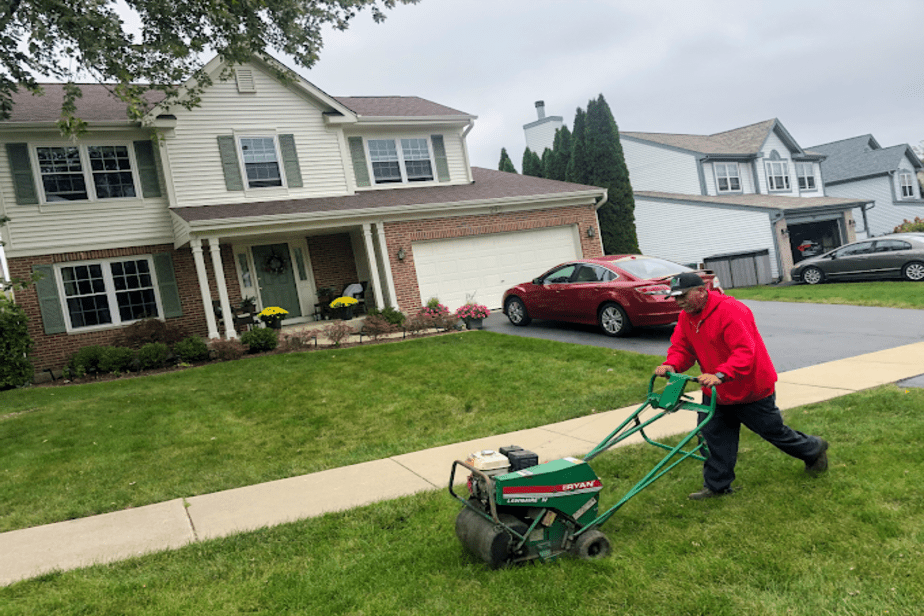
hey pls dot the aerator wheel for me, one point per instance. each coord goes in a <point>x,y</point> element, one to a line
<point>592,545</point>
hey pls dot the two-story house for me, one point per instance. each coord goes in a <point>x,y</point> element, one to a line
<point>860,167</point>
<point>269,190</point>
<point>749,189</point>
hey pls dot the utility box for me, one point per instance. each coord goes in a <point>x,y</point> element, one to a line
<point>741,269</point>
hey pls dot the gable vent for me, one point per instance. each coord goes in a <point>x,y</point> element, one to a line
<point>245,81</point>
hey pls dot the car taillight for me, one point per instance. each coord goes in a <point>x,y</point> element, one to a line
<point>655,290</point>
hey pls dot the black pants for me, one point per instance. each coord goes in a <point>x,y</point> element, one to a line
<point>761,417</point>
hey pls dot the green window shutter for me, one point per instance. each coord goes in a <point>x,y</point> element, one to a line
<point>147,168</point>
<point>358,154</point>
<point>290,161</point>
<point>439,154</point>
<point>21,167</point>
<point>227,148</point>
<point>166,283</point>
<point>49,302</point>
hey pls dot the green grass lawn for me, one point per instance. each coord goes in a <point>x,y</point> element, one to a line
<point>898,294</point>
<point>846,543</point>
<point>68,452</point>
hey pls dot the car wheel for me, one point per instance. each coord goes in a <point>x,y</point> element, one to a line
<point>614,321</point>
<point>813,275</point>
<point>913,271</point>
<point>516,312</point>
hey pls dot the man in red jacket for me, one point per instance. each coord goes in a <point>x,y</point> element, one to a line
<point>719,332</point>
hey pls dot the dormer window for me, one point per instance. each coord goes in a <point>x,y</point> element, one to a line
<point>727,178</point>
<point>906,179</point>
<point>806,174</point>
<point>408,163</point>
<point>778,175</point>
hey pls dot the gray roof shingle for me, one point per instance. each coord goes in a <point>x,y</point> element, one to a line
<point>744,140</point>
<point>488,184</point>
<point>859,157</point>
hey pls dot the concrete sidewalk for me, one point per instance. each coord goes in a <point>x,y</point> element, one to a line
<point>123,534</point>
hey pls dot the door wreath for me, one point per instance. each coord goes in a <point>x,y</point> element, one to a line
<point>274,264</point>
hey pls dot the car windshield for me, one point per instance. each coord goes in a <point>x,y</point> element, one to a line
<point>651,267</point>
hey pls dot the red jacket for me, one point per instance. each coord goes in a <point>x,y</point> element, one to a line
<point>724,338</point>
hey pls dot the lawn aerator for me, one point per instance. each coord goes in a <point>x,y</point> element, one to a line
<point>519,510</point>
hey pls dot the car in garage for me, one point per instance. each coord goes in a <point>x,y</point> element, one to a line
<point>618,293</point>
<point>899,255</point>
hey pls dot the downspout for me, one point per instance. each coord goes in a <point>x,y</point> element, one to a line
<point>468,165</point>
<point>776,244</point>
<point>597,206</point>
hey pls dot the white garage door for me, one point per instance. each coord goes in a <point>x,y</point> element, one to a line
<point>482,267</point>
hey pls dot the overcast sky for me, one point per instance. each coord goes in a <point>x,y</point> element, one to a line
<point>828,69</point>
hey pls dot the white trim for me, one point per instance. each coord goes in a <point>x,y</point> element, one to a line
<point>902,184</point>
<point>109,290</point>
<point>784,175</point>
<point>728,177</point>
<point>267,134</point>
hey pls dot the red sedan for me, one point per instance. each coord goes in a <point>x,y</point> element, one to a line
<point>616,292</point>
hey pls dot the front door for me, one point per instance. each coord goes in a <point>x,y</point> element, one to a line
<point>276,278</point>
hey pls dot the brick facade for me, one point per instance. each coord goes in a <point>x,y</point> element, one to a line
<point>404,234</point>
<point>332,261</point>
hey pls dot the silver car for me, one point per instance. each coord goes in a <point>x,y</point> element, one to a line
<point>900,255</point>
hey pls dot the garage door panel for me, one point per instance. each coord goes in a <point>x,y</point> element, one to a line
<point>485,266</point>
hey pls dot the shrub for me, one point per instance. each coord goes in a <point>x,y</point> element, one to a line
<point>260,339</point>
<point>116,360</point>
<point>226,350</point>
<point>85,361</point>
<point>15,345</point>
<point>377,325</point>
<point>910,225</point>
<point>337,332</point>
<point>153,355</point>
<point>191,348</point>
<point>146,331</point>
<point>297,341</point>
<point>395,317</point>
<point>421,321</point>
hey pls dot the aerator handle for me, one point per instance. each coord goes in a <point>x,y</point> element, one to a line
<point>672,396</point>
<point>488,481</point>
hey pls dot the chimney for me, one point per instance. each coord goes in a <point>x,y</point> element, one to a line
<point>540,109</point>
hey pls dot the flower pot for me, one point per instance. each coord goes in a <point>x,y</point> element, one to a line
<point>344,312</point>
<point>274,323</point>
<point>473,323</point>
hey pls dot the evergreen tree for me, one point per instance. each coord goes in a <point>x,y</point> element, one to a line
<point>577,170</point>
<point>546,161</point>
<point>605,167</point>
<point>561,154</point>
<point>532,164</point>
<point>505,163</point>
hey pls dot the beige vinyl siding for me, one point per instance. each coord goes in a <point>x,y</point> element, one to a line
<point>885,215</point>
<point>81,225</point>
<point>688,233</point>
<point>660,169</point>
<point>272,110</point>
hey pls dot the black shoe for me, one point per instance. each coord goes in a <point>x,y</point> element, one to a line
<point>707,493</point>
<point>820,463</point>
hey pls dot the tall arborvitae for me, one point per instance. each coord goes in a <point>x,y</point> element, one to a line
<point>546,161</point>
<point>561,153</point>
<point>577,167</point>
<point>532,165</point>
<point>505,163</point>
<point>605,167</point>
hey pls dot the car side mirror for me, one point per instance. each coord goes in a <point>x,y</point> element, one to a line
<point>537,280</point>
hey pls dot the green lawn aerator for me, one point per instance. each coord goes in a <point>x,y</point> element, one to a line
<point>519,510</point>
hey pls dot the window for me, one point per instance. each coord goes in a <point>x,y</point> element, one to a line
<point>906,180</point>
<point>409,163</point>
<point>83,173</point>
<point>261,163</point>
<point>111,292</point>
<point>853,250</point>
<point>806,174</point>
<point>726,177</point>
<point>562,275</point>
<point>778,175</point>
<point>891,245</point>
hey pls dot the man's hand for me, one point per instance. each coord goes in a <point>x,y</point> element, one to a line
<point>663,369</point>
<point>709,380</point>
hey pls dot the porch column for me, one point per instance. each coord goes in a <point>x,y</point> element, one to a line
<point>373,265</point>
<point>389,279</point>
<point>196,245</point>
<point>222,288</point>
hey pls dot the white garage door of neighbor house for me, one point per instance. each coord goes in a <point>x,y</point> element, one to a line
<point>482,267</point>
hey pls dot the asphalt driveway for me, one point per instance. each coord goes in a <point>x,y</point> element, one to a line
<point>797,335</point>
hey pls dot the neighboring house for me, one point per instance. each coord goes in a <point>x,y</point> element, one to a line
<point>745,190</point>
<point>541,133</point>
<point>860,167</point>
<point>268,190</point>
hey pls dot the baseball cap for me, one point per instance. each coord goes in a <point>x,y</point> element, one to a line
<point>681,283</point>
